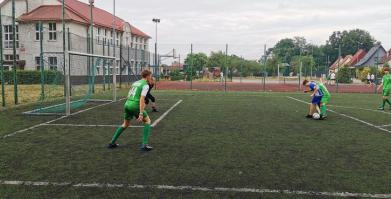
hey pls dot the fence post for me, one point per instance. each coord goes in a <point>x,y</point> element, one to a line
<point>226,68</point>
<point>41,65</point>
<point>1,62</point>
<point>14,53</point>
<point>191,67</point>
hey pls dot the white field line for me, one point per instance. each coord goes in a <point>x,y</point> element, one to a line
<point>166,113</point>
<point>364,109</point>
<point>195,188</point>
<point>347,116</point>
<point>386,125</point>
<point>89,125</point>
<point>57,119</point>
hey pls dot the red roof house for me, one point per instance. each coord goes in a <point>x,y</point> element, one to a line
<point>78,12</point>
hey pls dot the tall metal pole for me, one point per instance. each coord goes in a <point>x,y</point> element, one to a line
<point>300,66</point>
<point>1,63</point>
<point>92,44</point>
<point>226,67</point>
<point>241,68</point>
<point>114,55</point>
<point>156,21</point>
<point>67,74</point>
<point>191,67</point>
<point>339,57</point>
<point>14,53</point>
<point>264,68</point>
<point>41,65</point>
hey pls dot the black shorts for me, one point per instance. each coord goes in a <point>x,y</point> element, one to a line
<point>149,97</point>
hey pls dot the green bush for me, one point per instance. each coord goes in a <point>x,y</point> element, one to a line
<point>344,75</point>
<point>176,75</point>
<point>33,77</point>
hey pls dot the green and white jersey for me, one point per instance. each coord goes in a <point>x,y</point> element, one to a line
<point>387,82</point>
<point>139,88</point>
<point>324,90</point>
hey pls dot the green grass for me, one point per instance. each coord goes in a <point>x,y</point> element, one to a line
<point>212,139</point>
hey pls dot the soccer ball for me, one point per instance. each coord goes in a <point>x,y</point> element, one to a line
<point>316,116</point>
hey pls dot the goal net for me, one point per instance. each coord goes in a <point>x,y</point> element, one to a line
<point>84,80</point>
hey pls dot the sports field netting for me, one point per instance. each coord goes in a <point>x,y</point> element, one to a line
<point>90,81</point>
<point>212,144</point>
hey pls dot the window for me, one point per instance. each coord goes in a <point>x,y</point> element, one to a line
<point>38,63</point>
<point>53,63</point>
<point>105,37</point>
<point>111,37</point>
<point>10,57</point>
<point>8,36</point>
<point>37,37</point>
<point>52,31</point>
<point>98,35</point>
<point>117,38</point>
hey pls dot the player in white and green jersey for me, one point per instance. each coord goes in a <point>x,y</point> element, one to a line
<point>325,99</point>
<point>386,84</point>
<point>135,108</point>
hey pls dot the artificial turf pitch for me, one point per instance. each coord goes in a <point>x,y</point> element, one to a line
<point>212,139</point>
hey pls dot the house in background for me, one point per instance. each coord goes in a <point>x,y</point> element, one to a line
<point>132,43</point>
<point>373,57</point>
<point>387,59</point>
<point>357,57</point>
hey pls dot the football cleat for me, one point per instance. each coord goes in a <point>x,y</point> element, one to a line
<point>146,147</point>
<point>112,146</point>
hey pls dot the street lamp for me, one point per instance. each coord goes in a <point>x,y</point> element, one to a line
<point>156,21</point>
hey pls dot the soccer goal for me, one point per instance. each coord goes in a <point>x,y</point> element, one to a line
<point>74,81</point>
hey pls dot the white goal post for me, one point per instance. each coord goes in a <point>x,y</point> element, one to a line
<point>68,76</point>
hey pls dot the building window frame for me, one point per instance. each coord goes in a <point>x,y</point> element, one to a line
<point>53,31</point>
<point>8,36</point>
<point>53,63</point>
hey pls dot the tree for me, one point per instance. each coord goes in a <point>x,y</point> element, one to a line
<point>350,41</point>
<point>198,61</point>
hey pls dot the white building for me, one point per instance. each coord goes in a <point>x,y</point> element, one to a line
<point>132,44</point>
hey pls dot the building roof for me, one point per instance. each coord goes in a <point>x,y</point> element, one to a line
<point>357,57</point>
<point>337,63</point>
<point>370,54</point>
<point>79,12</point>
<point>386,58</point>
<point>50,13</point>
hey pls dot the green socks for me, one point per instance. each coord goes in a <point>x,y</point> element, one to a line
<point>147,130</point>
<point>117,133</point>
<point>388,101</point>
<point>323,110</point>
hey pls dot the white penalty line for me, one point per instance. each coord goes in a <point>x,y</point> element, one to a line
<point>347,116</point>
<point>57,119</point>
<point>165,113</point>
<point>89,125</point>
<point>193,188</point>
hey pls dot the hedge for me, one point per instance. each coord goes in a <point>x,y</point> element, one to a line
<point>33,77</point>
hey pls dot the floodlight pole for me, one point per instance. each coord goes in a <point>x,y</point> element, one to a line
<point>114,55</point>
<point>156,21</point>
<point>14,53</point>
<point>91,43</point>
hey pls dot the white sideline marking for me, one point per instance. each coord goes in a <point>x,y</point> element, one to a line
<point>364,109</point>
<point>386,125</point>
<point>166,113</point>
<point>57,119</point>
<point>195,188</point>
<point>348,116</point>
<point>90,125</point>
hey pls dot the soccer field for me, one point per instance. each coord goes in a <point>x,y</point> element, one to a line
<point>207,145</point>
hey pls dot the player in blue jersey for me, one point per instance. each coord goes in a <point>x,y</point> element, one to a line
<point>316,95</point>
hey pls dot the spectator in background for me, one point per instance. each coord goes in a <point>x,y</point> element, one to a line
<point>372,79</point>
<point>332,77</point>
<point>369,78</point>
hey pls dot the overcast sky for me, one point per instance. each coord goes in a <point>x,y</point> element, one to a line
<point>246,25</point>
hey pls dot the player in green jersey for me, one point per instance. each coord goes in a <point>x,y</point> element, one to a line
<point>135,108</point>
<point>386,84</point>
<point>325,99</point>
